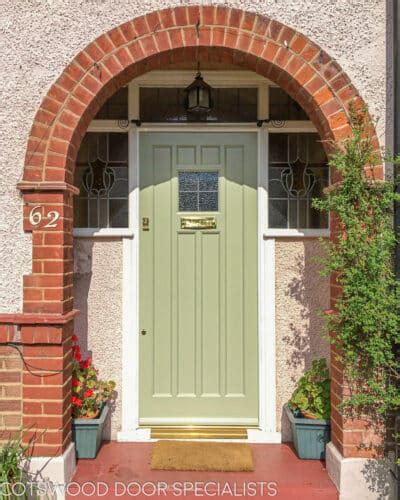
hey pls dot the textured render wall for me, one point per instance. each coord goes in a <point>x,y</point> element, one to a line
<point>98,295</point>
<point>39,38</point>
<point>300,294</point>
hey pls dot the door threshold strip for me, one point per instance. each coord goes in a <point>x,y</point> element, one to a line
<point>198,432</point>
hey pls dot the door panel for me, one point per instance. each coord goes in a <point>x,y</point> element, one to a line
<point>198,287</point>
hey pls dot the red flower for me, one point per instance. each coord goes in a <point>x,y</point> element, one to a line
<point>88,394</point>
<point>75,382</point>
<point>77,352</point>
<point>76,401</point>
<point>86,363</point>
<point>74,338</point>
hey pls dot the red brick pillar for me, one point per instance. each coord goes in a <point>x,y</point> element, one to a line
<point>46,325</point>
<point>354,438</point>
<point>48,215</point>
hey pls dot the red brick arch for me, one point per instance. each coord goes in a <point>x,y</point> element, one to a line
<point>256,42</point>
<point>213,33</point>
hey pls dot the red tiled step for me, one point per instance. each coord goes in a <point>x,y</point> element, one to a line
<point>125,463</point>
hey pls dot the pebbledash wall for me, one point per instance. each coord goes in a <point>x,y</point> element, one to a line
<point>38,40</point>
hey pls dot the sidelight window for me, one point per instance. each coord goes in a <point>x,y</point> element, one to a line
<point>102,178</point>
<point>297,173</point>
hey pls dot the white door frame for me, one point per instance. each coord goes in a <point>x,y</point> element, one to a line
<point>266,431</point>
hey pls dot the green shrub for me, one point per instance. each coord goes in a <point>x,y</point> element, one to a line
<point>312,395</point>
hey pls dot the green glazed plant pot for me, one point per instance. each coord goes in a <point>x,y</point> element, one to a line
<point>86,433</point>
<point>310,436</point>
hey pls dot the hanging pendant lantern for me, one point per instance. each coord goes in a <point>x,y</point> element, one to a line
<point>198,96</point>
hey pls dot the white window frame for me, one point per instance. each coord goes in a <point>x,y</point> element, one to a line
<point>106,232</point>
<point>174,78</point>
<point>293,127</point>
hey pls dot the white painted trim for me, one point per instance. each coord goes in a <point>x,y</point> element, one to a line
<point>253,436</point>
<point>204,127</point>
<point>266,301</point>
<point>292,126</point>
<point>296,233</point>
<point>263,101</point>
<point>133,100</point>
<point>130,338</point>
<point>216,78</point>
<point>259,436</point>
<point>106,232</point>
<point>120,126</point>
<point>134,435</point>
<point>269,365</point>
<point>130,298</point>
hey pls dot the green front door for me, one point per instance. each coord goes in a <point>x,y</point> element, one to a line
<point>198,278</point>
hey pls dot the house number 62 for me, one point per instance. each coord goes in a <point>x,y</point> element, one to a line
<point>35,217</point>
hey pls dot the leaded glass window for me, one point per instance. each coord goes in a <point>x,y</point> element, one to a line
<point>102,177</point>
<point>297,173</point>
<point>198,191</point>
<point>283,107</point>
<point>116,107</point>
<point>168,105</point>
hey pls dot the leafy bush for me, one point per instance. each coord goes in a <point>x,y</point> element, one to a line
<point>364,326</point>
<point>88,392</point>
<point>312,396</point>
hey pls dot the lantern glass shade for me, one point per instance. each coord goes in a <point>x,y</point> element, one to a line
<point>198,95</point>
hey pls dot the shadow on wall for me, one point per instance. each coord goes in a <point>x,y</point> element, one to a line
<point>379,476</point>
<point>304,294</point>
<point>83,259</point>
<point>303,288</point>
<point>83,256</point>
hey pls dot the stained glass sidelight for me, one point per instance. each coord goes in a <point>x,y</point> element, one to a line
<point>297,173</point>
<point>102,177</point>
<point>198,191</point>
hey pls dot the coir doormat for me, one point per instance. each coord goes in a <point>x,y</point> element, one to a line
<point>206,456</point>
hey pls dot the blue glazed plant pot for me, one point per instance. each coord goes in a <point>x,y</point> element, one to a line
<point>86,433</point>
<point>310,436</point>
